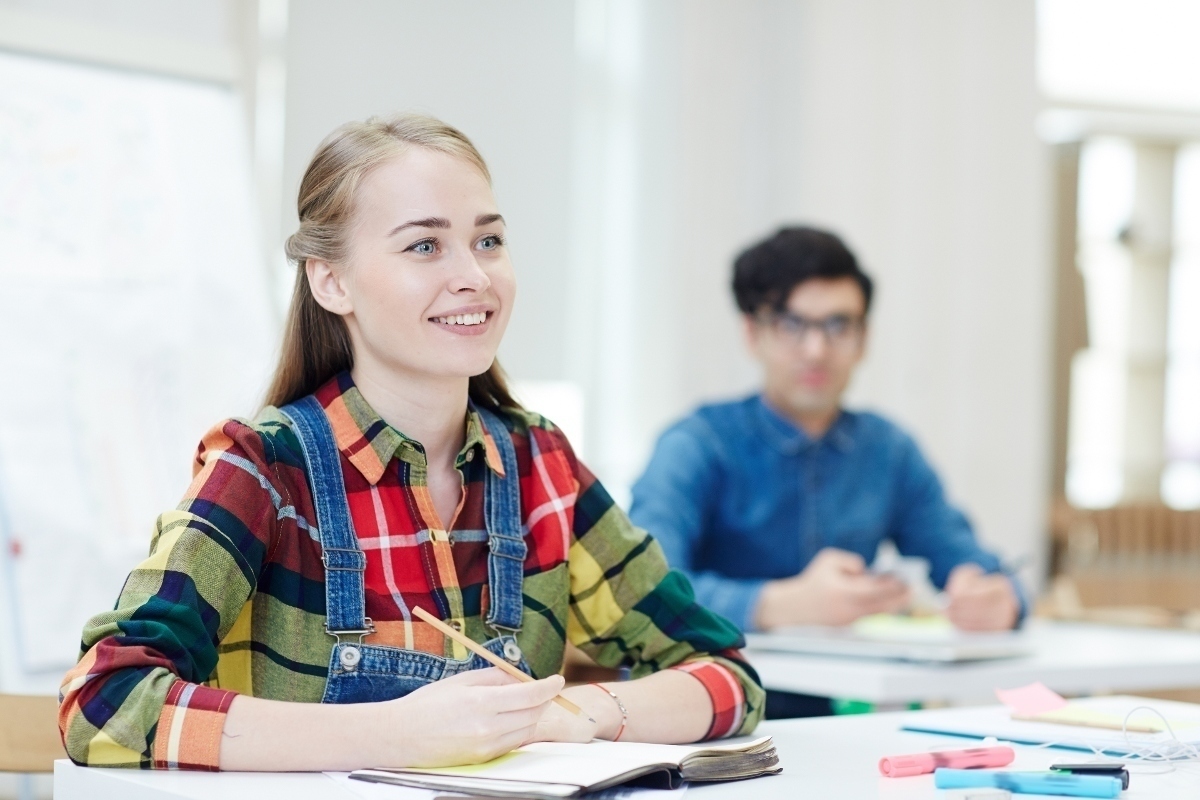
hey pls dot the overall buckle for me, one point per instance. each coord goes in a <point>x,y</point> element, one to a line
<point>350,653</point>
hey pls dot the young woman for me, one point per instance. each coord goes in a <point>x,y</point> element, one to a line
<point>272,626</point>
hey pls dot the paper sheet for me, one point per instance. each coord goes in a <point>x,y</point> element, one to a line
<point>1031,700</point>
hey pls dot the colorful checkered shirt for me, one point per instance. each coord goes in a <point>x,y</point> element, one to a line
<point>232,599</point>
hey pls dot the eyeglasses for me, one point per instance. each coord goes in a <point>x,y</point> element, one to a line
<point>839,330</point>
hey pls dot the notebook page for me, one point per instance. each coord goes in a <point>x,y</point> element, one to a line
<point>579,765</point>
<point>528,764</point>
<point>648,753</point>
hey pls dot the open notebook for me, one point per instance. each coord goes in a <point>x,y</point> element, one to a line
<point>554,769</point>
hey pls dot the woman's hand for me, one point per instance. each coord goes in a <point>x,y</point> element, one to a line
<point>467,719</point>
<point>560,725</point>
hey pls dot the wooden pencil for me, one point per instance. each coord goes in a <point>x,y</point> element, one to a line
<point>489,656</point>
<point>1111,725</point>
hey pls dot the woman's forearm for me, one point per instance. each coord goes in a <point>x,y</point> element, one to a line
<point>668,707</point>
<point>275,736</point>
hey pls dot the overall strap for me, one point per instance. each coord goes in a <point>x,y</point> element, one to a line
<point>344,560</point>
<point>506,540</point>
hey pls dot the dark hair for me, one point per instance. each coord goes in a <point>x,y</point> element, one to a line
<point>766,273</point>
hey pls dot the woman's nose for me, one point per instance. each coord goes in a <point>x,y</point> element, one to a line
<point>468,275</point>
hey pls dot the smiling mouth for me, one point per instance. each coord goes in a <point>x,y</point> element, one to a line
<point>465,320</point>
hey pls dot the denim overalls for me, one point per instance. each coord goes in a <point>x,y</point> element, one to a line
<point>362,673</point>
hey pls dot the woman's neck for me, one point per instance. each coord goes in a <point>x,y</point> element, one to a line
<point>430,410</point>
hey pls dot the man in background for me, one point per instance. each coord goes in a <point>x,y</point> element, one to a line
<point>775,505</point>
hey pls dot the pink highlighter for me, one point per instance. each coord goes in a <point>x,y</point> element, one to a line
<point>922,763</point>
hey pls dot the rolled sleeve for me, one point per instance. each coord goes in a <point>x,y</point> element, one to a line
<point>190,727</point>
<point>135,698</point>
<point>724,691</point>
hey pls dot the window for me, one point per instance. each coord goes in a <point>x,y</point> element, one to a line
<point>1128,123</point>
<point>135,314</point>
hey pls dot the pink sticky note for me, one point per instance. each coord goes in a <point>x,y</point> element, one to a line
<point>1031,700</point>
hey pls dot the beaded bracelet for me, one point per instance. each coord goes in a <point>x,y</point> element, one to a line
<point>620,705</point>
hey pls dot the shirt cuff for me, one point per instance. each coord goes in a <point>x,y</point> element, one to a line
<point>189,729</point>
<point>725,692</point>
<point>1022,600</point>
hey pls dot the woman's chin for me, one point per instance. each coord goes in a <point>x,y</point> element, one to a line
<point>464,369</point>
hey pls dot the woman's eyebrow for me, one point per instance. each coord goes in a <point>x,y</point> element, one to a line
<point>428,222</point>
<point>487,219</point>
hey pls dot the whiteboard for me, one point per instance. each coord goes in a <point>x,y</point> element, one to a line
<point>134,314</point>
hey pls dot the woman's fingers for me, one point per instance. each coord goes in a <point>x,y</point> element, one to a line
<point>523,717</point>
<point>490,676</point>
<point>524,695</point>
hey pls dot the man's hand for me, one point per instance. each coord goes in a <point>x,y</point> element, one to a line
<point>834,589</point>
<point>979,601</point>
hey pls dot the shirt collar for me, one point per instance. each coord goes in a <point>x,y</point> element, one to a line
<point>789,439</point>
<point>369,443</point>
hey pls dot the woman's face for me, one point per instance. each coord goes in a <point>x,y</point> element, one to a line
<point>428,286</point>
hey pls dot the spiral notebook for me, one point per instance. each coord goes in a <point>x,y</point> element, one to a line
<point>548,770</point>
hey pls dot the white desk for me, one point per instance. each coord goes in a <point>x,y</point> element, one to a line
<point>1072,659</point>
<point>829,757</point>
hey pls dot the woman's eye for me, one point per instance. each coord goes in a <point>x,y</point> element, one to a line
<point>490,242</point>
<point>425,248</point>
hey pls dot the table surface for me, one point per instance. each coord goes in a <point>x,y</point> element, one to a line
<point>1070,658</point>
<point>826,757</point>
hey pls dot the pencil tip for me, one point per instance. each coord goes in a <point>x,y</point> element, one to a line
<point>591,720</point>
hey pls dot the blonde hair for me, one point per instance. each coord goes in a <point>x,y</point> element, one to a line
<point>316,343</point>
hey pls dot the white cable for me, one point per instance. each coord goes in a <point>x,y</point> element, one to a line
<point>1170,753</point>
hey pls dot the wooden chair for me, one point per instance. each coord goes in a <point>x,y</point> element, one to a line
<point>29,739</point>
<point>1136,555</point>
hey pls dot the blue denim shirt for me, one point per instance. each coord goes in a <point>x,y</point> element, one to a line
<point>737,495</point>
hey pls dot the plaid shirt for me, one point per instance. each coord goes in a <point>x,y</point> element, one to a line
<point>232,599</point>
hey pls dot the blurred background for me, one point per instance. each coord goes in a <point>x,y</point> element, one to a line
<point>1022,178</point>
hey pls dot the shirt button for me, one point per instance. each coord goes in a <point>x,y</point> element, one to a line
<point>349,657</point>
<point>512,651</point>
<point>456,625</point>
<point>470,455</point>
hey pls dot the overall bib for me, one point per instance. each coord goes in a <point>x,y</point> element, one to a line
<point>363,673</point>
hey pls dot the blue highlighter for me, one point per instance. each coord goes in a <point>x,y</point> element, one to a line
<point>1056,783</point>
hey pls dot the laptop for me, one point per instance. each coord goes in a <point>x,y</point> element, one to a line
<point>895,638</point>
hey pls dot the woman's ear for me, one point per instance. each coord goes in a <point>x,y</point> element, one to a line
<point>328,286</point>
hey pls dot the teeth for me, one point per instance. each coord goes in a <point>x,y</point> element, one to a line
<point>464,319</point>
